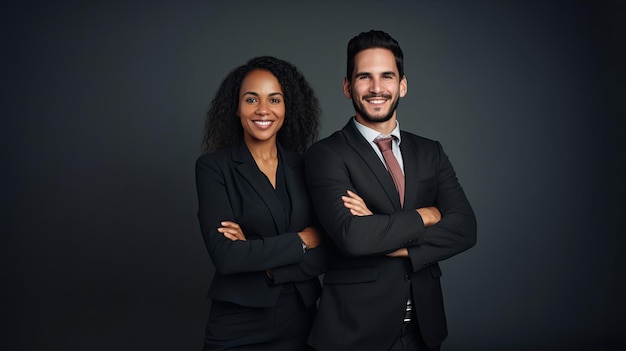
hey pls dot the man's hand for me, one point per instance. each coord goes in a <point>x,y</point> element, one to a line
<point>401,252</point>
<point>231,230</point>
<point>355,204</point>
<point>430,215</point>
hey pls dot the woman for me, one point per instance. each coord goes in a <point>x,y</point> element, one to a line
<point>255,213</point>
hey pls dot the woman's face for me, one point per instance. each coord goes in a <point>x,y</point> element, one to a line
<point>261,106</point>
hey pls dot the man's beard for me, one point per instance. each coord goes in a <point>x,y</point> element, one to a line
<point>373,119</point>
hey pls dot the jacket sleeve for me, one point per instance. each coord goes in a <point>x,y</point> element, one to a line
<point>228,257</point>
<point>456,231</point>
<point>329,177</point>
<point>330,173</point>
<point>314,262</point>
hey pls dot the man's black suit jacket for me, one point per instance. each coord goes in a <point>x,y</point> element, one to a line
<point>365,292</point>
<point>232,188</point>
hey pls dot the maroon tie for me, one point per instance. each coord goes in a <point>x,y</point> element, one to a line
<point>384,144</point>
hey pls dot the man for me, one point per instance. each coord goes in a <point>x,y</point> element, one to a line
<point>391,219</point>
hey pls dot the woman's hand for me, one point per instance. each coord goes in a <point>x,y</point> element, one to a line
<point>311,237</point>
<point>231,230</point>
<point>355,204</point>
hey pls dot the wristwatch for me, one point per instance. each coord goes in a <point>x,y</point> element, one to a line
<point>303,246</point>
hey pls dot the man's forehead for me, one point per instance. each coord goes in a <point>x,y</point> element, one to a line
<point>375,61</point>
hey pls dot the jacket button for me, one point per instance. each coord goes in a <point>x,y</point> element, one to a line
<point>407,277</point>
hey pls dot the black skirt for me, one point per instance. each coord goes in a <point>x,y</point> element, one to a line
<point>284,327</point>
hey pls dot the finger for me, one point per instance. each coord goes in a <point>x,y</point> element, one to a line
<point>230,224</point>
<point>347,201</point>
<point>353,206</point>
<point>348,204</point>
<point>231,237</point>
<point>228,230</point>
<point>236,233</point>
<point>358,213</point>
<point>356,202</point>
<point>354,195</point>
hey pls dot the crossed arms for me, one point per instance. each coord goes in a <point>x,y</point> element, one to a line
<point>442,225</point>
<point>356,205</point>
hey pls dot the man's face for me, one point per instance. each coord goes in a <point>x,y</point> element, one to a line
<point>375,86</point>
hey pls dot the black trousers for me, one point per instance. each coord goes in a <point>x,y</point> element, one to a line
<point>281,328</point>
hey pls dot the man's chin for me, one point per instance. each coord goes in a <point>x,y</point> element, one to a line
<point>377,118</point>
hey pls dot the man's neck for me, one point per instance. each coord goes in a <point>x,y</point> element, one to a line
<point>385,127</point>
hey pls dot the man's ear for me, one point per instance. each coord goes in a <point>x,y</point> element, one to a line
<point>404,87</point>
<point>346,88</point>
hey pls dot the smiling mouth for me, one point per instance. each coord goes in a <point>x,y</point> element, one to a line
<point>263,124</point>
<point>376,100</point>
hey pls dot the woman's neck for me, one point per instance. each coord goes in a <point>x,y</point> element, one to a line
<point>265,151</point>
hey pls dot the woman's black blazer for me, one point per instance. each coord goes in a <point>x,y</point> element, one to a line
<point>231,187</point>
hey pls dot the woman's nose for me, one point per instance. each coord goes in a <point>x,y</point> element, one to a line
<point>262,108</point>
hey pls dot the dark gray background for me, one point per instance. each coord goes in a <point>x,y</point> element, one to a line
<point>102,122</point>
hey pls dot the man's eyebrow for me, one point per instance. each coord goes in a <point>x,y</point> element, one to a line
<point>362,74</point>
<point>389,73</point>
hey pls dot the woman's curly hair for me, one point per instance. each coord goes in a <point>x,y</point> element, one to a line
<point>300,127</point>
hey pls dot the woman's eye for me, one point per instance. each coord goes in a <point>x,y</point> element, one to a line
<point>275,101</point>
<point>251,100</point>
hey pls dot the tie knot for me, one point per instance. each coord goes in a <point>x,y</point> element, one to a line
<point>384,144</point>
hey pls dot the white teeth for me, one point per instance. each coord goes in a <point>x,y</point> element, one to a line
<point>263,123</point>
<point>377,101</point>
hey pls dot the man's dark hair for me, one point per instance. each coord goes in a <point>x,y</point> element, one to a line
<point>370,40</point>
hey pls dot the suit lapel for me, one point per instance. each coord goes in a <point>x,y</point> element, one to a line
<point>361,146</point>
<point>296,186</point>
<point>257,181</point>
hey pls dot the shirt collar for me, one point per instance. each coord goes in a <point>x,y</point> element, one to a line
<point>371,134</point>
